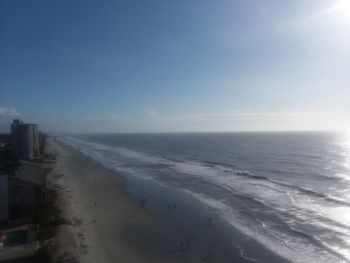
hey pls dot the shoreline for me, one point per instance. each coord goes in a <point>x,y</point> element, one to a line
<point>112,225</point>
<point>81,182</point>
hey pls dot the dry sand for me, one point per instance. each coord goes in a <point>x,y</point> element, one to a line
<point>94,199</point>
<point>109,225</point>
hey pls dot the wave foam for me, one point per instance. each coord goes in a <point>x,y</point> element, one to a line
<point>287,200</point>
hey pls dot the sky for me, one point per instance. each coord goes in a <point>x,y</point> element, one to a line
<point>102,66</point>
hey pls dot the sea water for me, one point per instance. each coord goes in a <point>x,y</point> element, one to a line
<point>289,191</point>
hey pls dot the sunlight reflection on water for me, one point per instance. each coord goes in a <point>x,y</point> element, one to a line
<point>346,150</point>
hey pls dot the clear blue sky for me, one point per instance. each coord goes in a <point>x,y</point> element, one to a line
<point>184,65</point>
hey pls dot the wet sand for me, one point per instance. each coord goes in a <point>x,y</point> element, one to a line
<point>99,208</point>
<point>135,220</point>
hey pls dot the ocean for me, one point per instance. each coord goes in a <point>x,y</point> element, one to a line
<point>288,191</point>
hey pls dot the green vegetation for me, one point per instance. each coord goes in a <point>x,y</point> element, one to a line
<point>47,216</point>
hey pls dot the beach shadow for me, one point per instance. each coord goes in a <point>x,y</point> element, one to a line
<point>133,214</point>
<point>77,221</point>
<point>83,249</point>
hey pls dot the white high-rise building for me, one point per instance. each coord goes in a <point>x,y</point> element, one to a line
<point>25,140</point>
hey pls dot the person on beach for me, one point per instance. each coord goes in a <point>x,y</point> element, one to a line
<point>181,246</point>
<point>132,214</point>
<point>207,256</point>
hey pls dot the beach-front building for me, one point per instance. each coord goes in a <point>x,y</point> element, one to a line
<point>19,243</point>
<point>20,194</point>
<point>26,191</point>
<point>25,140</point>
<point>4,203</point>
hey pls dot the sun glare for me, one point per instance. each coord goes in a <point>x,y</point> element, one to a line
<point>343,7</point>
<point>347,149</point>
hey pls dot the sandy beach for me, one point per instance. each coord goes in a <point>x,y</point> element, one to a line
<point>99,208</point>
<point>111,219</point>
